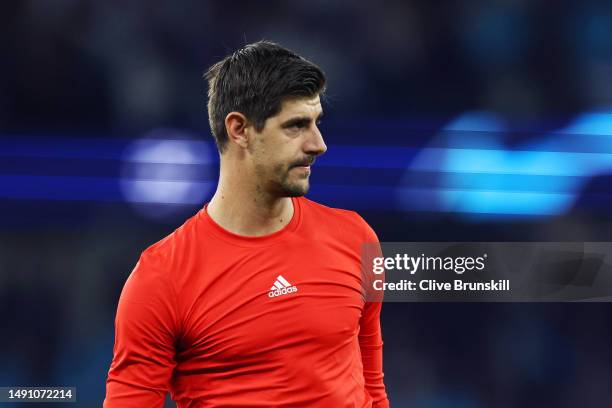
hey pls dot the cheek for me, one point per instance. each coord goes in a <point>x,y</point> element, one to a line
<point>280,169</point>
<point>277,158</point>
<point>273,155</point>
<point>271,166</point>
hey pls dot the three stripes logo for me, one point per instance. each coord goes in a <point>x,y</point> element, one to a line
<point>281,287</point>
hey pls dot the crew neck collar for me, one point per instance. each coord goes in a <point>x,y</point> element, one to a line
<point>242,240</point>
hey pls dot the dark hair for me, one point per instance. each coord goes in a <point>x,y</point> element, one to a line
<point>254,81</point>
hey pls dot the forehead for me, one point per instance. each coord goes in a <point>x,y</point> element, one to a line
<point>303,106</point>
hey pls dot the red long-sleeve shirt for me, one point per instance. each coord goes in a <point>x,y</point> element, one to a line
<point>222,320</point>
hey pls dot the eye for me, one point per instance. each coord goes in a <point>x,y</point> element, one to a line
<point>298,126</point>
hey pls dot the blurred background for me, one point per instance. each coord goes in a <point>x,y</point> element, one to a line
<point>445,121</point>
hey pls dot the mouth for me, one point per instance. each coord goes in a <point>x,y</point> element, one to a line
<point>304,165</point>
<point>302,169</point>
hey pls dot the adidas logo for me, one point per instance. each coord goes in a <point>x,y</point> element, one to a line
<point>281,287</point>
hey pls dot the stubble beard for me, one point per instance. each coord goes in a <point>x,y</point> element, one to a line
<point>289,187</point>
<point>281,182</point>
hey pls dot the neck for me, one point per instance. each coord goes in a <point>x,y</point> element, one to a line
<point>244,208</point>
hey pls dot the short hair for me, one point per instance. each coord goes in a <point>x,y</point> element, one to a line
<point>255,80</point>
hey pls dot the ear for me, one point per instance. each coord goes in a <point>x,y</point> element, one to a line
<point>236,125</point>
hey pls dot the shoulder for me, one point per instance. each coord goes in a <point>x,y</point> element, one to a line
<point>168,253</point>
<point>345,221</point>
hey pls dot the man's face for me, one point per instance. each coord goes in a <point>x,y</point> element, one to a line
<point>287,146</point>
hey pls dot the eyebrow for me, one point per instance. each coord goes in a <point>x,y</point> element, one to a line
<point>299,120</point>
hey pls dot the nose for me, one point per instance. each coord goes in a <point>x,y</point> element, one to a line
<point>315,144</point>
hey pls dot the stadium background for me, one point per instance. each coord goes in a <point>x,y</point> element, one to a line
<point>446,121</point>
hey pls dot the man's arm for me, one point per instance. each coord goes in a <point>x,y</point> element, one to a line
<point>371,344</point>
<point>370,336</point>
<point>145,333</point>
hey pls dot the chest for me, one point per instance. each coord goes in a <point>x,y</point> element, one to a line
<point>257,303</point>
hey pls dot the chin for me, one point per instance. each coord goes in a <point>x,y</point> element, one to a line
<point>296,190</point>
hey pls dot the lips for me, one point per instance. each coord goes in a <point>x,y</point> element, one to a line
<point>306,163</point>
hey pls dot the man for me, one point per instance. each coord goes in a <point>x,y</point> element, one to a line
<point>256,301</point>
